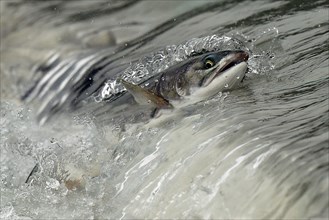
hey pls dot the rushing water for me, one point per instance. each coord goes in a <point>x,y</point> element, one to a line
<point>260,151</point>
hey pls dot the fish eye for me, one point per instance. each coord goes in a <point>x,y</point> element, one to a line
<point>209,62</point>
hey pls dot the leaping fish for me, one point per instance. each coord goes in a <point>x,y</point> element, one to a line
<point>191,81</point>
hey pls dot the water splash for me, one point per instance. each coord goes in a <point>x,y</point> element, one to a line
<point>263,47</point>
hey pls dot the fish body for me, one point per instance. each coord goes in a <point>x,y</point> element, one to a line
<point>193,80</point>
<point>183,84</point>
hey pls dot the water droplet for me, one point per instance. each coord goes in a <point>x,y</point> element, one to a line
<point>226,85</point>
<point>238,77</point>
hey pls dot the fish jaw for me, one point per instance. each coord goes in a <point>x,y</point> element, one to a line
<point>227,62</point>
<point>224,81</point>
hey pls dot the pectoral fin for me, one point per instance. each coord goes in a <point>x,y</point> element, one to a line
<point>146,97</point>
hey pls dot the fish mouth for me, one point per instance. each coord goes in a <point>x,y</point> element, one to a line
<point>232,59</point>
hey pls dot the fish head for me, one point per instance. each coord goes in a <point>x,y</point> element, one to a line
<point>214,72</point>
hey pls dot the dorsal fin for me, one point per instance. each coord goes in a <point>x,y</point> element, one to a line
<point>146,97</point>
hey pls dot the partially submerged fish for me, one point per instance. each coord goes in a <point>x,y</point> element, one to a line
<point>191,81</point>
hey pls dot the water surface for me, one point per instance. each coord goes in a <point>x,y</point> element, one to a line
<point>257,152</point>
